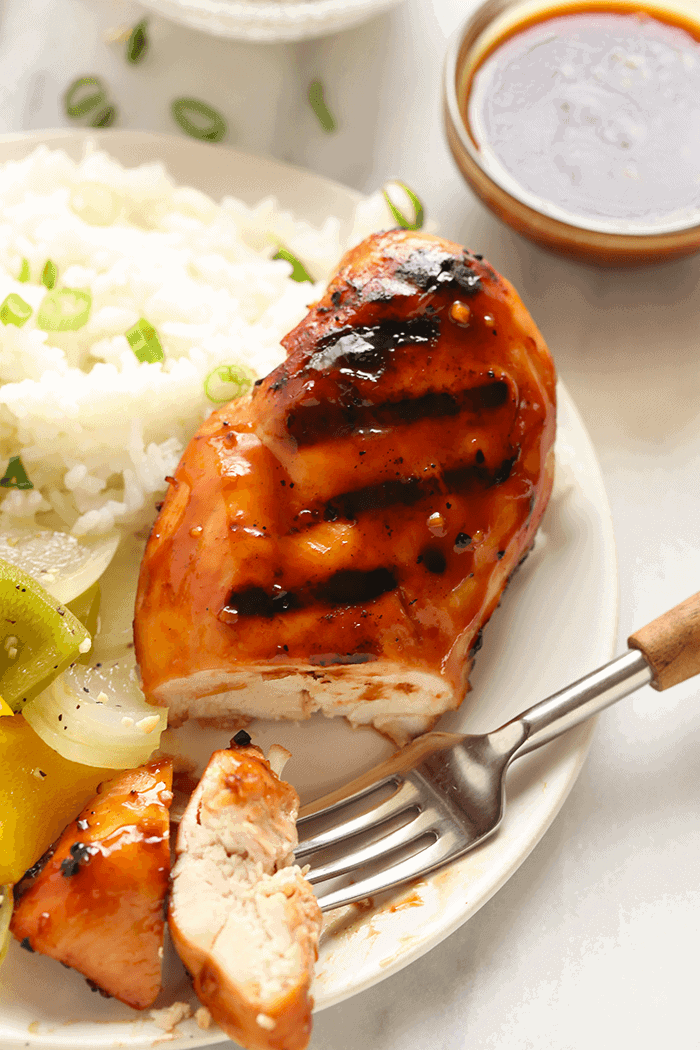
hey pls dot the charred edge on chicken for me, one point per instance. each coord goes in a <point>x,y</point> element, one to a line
<point>431,269</point>
<point>27,880</point>
<point>241,739</point>
<point>80,854</point>
<point>96,988</point>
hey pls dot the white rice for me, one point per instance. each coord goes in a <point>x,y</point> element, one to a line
<point>96,429</point>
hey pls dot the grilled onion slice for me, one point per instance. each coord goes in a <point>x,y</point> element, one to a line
<point>97,715</point>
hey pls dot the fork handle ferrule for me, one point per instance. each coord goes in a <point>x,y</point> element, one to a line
<point>671,643</point>
<point>586,697</point>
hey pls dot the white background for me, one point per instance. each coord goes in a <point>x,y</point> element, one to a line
<point>593,943</point>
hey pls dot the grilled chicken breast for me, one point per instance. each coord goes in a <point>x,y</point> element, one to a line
<point>95,900</point>
<point>242,917</point>
<point>337,540</point>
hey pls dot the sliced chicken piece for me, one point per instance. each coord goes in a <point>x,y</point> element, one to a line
<point>95,900</point>
<point>337,540</point>
<point>243,919</point>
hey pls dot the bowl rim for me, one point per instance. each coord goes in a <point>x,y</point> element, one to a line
<point>465,51</point>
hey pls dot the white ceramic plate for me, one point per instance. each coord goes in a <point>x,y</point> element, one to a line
<point>557,621</point>
<point>270,20</point>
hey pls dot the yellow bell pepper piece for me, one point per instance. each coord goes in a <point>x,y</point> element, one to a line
<point>40,793</point>
<point>5,709</point>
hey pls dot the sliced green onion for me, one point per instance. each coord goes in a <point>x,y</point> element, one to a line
<point>319,106</point>
<point>6,906</point>
<point>64,310</point>
<point>143,340</point>
<point>84,95</point>
<point>418,219</point>
<point>15,311</point>
<point>105,118</point>
<point>227,382</point>
<point>299,271</point>
<point>15,476</point>
<point>24,272</point>
<point>49,275</point>
<point>209,126</point>
<point>138,43</point>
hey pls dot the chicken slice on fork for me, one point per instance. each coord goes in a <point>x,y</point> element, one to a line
<point>242,917</point>
<point>337,540</point>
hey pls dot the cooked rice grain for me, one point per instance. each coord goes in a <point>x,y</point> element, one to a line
<point>96,429</point>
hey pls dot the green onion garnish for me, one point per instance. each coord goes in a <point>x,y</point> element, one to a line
<point>299,271</point>
<point>49,275</point>
<point>64,310</point>
<point>144,341</point>
<point>104,118</point>
<point>15,475</point>
<point>209,126</point>
<point>24,272</point>
<point>402,220</point>
<point>226,383</point>
<point>15,311</point>
<point>137,45</point>
<point>84,95</point>
<point>318,105</point>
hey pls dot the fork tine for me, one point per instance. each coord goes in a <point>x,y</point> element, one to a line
<point>423,824</point>
<point>346,799</point>
<point>403,798</point>
<point>448,847</point>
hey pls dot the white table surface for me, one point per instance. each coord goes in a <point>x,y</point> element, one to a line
<point>593,943</point>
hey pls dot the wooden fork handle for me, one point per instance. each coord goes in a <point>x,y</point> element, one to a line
<point>671,644</point>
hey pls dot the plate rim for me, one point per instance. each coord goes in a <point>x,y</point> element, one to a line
<point>583,733</point>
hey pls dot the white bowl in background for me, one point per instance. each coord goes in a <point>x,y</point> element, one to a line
<point>270,20</point>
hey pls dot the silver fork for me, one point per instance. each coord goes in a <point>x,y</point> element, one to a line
<point>444,794</point>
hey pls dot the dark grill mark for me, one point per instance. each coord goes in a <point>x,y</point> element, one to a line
<point>366,351</point>
<point>350,414</point>
<point>347,587</point>
<point>503,472</point>
<point>470,478</point>
<point>242,739</point>
<point>405,493</point>
<point>462,541</point>
<point>434,560</point>
<point>255,601</point>
<point>350,587</point>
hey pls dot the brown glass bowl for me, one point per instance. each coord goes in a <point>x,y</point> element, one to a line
<point>489,24</point>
